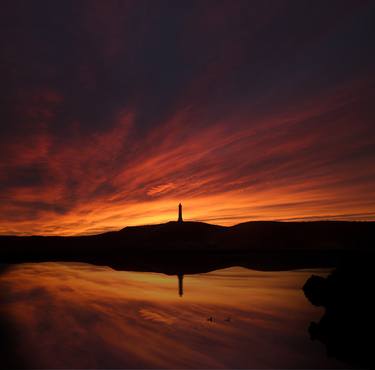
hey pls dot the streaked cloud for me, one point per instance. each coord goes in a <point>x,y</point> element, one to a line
<point>258,115</point>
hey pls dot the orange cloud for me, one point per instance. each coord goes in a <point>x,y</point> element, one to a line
<point>289,166</point>
<point>157,190</point>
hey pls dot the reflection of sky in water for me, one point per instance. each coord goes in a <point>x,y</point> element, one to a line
<point>78,315</point>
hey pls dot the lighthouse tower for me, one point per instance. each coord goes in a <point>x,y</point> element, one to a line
<point>180,213</point>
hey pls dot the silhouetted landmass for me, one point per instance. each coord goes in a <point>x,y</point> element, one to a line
<point>191,247</point>
<point>347,326</point>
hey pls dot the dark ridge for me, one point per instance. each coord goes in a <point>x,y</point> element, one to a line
<point>197,246</point>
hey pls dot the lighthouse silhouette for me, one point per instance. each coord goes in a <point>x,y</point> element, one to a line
<point>180,275</point>
<point>180,213</point>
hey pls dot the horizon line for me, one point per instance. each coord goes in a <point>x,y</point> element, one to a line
<point>99,231</point>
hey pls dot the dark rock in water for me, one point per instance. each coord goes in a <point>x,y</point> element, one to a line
<point>315,290</point>
<point>347,326</point>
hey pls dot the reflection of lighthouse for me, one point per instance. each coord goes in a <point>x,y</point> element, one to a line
<point>180,284</point>
<point>180,212</point>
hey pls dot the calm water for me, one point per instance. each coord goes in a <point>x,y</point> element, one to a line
<point>75,315</point>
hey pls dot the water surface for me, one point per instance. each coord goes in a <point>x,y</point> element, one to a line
<point>75,315</point>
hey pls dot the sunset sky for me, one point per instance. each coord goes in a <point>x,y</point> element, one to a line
<point>113,112</point>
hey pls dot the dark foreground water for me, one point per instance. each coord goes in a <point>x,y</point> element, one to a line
<point>75,315</point>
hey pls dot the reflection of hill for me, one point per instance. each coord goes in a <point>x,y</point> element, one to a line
<point>196,246</point>
<point>347,325</point>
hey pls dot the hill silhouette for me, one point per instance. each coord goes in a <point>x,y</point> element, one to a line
<point>188,247</point>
